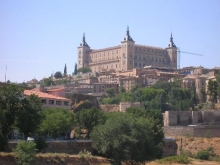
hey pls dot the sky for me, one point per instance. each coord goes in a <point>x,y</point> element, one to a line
<point>38,37</point>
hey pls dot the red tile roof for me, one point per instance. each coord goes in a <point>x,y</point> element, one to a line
<point>44,95</point>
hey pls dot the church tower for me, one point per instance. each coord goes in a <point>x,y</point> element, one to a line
<point>172,53</point>
<point>83,53</point>
<point>127,52</point>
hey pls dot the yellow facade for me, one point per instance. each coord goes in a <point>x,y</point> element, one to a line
<point>127,56</point>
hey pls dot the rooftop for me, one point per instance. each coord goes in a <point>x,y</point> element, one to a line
<point>44,95</point>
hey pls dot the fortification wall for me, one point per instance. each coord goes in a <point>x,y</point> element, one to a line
<point>173,131</point>
<point>184,118</point>
<point>194,131</point>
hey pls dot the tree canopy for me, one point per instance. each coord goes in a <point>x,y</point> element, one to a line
<point>89,118</point>
<point>28,118</point>
<point>75,69</point>
<point>17,111</point>
<point>58,74</point>
<point>56,121</point>
<point>84,70</point>
<point>125,136</point>
<point>10,104</point>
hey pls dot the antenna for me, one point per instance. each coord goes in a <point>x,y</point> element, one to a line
<point>5,73</point>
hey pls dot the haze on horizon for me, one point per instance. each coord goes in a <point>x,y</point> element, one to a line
<point>37,38</point>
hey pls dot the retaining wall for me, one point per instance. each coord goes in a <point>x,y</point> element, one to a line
<point>69,147</point>
<point>195,131</point>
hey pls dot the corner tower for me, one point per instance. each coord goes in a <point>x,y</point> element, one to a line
<point>172,53</point>
<point>83,53</point>
<point>127,52</point>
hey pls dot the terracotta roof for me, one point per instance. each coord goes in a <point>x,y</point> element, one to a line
<point>44,95</point>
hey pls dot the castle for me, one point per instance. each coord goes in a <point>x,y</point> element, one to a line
<point>127,56</point>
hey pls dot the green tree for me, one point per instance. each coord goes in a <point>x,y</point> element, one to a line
<point>56,121</point>
<point>217,76</point>
<point>213,90</point>
<point>110,92</point>
<point>155,119</point>
<point>65,71</point>
<point>84,70</point>
<point>25,153</point>
<point>47,82</point>
<point>75,70</point>
<point>10,104</point>
<point>122,89</point>
<point>166,86</point>
<point>89,118</point>
<point>58,75</point>
<point>124,137</point>
<point>28,118</point>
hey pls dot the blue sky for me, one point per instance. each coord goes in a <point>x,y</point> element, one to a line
<point>38,37</point>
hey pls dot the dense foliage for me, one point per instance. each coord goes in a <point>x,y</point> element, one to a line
<point>28,118</point>
<point>17,111</point>
<point>84,70</point>
<point>56,121</point>
<point>58,74</point>
<point>25,153</point>
<point>162,95</point>
<point>213,88</point>
<point>89,118</point>
<point>128,136</point>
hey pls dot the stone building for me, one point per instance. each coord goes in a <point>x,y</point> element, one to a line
<point>127,56</point>
<point>199,81</point>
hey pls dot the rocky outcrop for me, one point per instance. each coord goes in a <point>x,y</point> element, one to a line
<point>80,101</point>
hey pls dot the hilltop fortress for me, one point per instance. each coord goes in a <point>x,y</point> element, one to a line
<point>127,56</point>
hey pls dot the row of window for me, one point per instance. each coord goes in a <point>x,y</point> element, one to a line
<point>55,102</point>
<point>105,53</point>
<point>150,50</point>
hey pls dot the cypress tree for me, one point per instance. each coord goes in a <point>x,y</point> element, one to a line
<point>75,70</point>
<point>65,71</point>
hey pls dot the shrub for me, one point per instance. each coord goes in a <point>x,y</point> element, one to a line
<point>182,159</point>
<point>40,144</point>
<point>203,155</point>
<point>84,153</point>
<point>25,153</point>
<point>3,142</point>
<point>207,134</point>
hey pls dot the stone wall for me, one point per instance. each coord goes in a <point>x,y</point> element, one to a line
<point>124,105</point>
<point>110,108</point>
<point>193,131</point>
<point>169,147</point>
<point>69,147</point>
<point>184,118</point>
<point>173,131</point>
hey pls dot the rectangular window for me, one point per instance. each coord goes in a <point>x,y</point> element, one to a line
<point>66,103</point>
<point>58,102</point>
<point>44,101</point>
<point>51,101</point>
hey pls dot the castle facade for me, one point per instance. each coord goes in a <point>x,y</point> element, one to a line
<point>127,56</point>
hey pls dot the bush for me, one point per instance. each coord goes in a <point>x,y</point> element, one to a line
<point>25,153</point>
<point>182,159</point>
<point>3,142</point>
<point>40,144</point>
<point>203,155</point>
